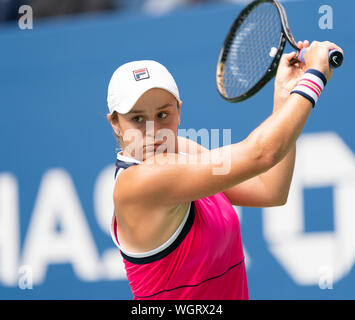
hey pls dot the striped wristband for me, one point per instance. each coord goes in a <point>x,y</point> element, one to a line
<point>311,85</point>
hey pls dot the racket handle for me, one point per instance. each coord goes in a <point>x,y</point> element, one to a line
<point>335,57</point>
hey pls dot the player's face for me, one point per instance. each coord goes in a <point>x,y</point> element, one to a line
<point>151,125</point>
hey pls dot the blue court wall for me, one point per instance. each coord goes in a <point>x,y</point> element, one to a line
<point>58,152</point>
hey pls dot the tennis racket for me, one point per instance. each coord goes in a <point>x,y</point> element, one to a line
<point>253,48</point>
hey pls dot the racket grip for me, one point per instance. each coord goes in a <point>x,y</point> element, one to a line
<point>335,57</point>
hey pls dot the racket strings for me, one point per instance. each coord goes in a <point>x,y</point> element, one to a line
<point>251,50</point>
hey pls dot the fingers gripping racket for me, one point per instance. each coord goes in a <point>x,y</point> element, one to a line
<point>253,48</point>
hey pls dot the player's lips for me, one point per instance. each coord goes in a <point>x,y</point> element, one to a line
<point>153,146</point>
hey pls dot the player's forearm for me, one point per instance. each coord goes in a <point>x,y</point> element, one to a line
<point>278,179</point>
<point>278,133</point>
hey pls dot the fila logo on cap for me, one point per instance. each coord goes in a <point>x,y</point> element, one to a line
<point>141,74</point>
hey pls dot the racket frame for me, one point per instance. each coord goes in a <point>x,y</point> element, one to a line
<point>271,70</point>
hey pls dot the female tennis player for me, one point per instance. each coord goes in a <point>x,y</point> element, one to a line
<point>173,220</point>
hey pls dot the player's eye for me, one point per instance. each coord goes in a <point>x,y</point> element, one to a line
<point>137,119</point>
<point>162,115</point>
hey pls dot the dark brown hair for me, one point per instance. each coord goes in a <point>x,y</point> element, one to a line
<point>114,119</point>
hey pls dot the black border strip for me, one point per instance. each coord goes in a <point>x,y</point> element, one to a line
<point>305,95</point>
<point>192,285</point>
<point>162,254</point>
<point>318,74</point>
<point>122,165</point>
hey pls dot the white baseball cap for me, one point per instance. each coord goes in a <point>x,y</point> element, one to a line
<point>131,80</point>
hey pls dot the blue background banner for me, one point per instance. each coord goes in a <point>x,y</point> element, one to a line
<point>58,152</point>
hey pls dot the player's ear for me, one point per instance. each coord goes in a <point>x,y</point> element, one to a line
<point>179,104</point>
<point>113,119</point>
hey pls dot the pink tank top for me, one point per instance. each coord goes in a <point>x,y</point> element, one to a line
<point>202,260</point>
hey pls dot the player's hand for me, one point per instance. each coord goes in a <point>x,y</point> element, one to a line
<point>288,76</point>
<point>317,57</point>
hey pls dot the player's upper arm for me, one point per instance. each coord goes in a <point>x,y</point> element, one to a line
<point>252,193</point>
<point>189,146</point>
<point>170,179</point>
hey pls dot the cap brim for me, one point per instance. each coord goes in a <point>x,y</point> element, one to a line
<point>128,104</point>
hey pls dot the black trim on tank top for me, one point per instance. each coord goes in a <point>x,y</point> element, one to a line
<point>122,165</point>
<point>162,254</point>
